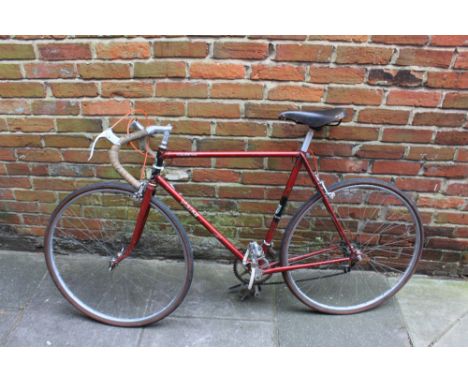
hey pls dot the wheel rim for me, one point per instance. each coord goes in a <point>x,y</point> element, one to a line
<point>381,224</point>
<point>93,227</point>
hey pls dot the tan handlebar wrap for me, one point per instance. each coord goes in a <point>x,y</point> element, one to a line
<point>114,157</point>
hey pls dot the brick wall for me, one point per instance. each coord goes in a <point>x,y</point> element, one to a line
<point>406,96</point>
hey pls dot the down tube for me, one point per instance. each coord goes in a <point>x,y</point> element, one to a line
<point>193,211</point>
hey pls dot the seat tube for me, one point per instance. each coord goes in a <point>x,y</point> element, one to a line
<point>307,141</point>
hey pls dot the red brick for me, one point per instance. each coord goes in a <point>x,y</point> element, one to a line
<point>344,38</point>
<point>440,203</point>
<point>251,163</point>
<point>22,89</point>
<point>212,175</point>
<point>446,171</point>
<point>266,110</point>
<point>389,77</point>
<point>295,93</point>
<point>17,52</point>
<point>407,135</point>
<point>50,184</point>
<point>247,129</point>
<point>7,155</point>
<point>74,89</point>
<point>239,192</point>
<point>111,107</point>
<point>354,133</point>
<point>342,165</point>
<point>462,61</point>
<point>161,108</point>
<point>452,218</point>
<point>195,49</point>
<point>10,72</point>
<point>64,51</point>
<point>439,119</point>
<point>237,91</point>
<point>39,155</point>
<point>354,96</point>
<point>452,138</point>
<point>278,37</point>
<point>401,40</point>
<point>131,89</point>
<point>363,55</point>
<point>462,155</point>
<point>182,89</point>
<point>303,52</point>
<point>384,116</point>
<point>456,101</point>
<point>123,50</point>
<point>216,70</point>
<point>413,98</point>
<point>104,70</point>
<point>160,69</point>
<point>31,124</point>
<point>392,167</point>
<point>431,153</point>
<point>222,144</point>
<point>240,50</point>
<point>339,75</point>
<point>278,72</point>
<point>447,80</point>
<point>79,125</point>
<point>449,40</point>
<point>459,189</point>
<point>424,57</point>
<point>55,107</point>
<point>381,151</point>
<point>213,110</point>
<point>49,70</point>
<point>191,126</point>
<point>14,107</point>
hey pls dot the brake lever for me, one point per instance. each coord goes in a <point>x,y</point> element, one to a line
<point>109,135</point>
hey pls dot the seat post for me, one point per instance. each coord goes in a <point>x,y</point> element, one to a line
<point>307,141</point>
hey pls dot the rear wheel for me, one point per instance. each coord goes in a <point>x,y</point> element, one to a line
<point>383,226</point>
<point>90,227</point>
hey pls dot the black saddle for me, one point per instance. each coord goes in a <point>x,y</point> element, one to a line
<point>315,119</point>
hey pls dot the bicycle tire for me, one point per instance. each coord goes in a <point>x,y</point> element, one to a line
<point>157,275</point>
<point>338,289</point>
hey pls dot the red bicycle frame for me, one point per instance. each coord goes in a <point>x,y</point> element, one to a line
<point>300,160</point>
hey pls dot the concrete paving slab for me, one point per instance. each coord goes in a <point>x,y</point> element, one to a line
<point>209,296</point>
<point>20,274</point>
<point>457,335</point>
<point>49,320</point>
<point>430,306</point>
<point>209,332</point>
<point>8,317</point>
<point>299,326</point>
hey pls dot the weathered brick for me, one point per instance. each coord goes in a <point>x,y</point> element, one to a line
<point>389,167</point>
<point>66,125</point>
<point>343,165</point>
<point>240,50</point>
<point>456,100</point>
<point>439,119</point>
<point>363,55</point>
<point>446,171</point>
<point>380,151</point>
<point>161,108</point>
<point>424,57</point>
<point>16,52</point>
<point>22,89</point>
<point>418,184</point>
<point>239,163</point>
<point>111,107</point>
<point>344,38</point>
<point>407,135</point>
<point>303,52</point>
<point>215,175</point>
<point>7,155</point>
<point>194,49</point>
<point>14,182</point>
<point>354,96</point>
<point>452,218</point>
<point>66,141</point>
<point>55,107</point>
<point>213,110</point>
<point>447,80</point>
<point>39,155</point>
<point>354,133</point>
<point>389,77</point>
<point>401,40</point>
<point>459,189</point>
<point>462,61</point>
<point>338,75</point>
<point>132,89</point>
<point>216,70</point>
<point>384,116</point>
<point>439,203</point>
<point>431,153</point>
<point>160,69</point>
<point>295,93</point>
<point>192,126</point>
<point>74,89</point>
<point>266,110</point>
<point>103,70</point>
<point>14,106</point>
<point>247,129</point>
<point>182,89</point>
<point>452,137</point>
<point>237,91</point>
<point>31,124</point>
<point>123,50</point>
<point>413,98</point>
<point>278,72</point>
<point>10,72</point>
<point>64,51</point>
<point>449,40</point>
<point>49,70</point>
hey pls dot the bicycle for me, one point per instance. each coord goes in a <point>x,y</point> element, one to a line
<point>119,255</point>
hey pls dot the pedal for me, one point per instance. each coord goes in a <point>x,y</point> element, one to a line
<point>246,293</point>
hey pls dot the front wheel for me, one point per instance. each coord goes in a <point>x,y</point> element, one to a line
<point>92,226</point>
<point>383,226</point>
